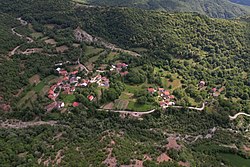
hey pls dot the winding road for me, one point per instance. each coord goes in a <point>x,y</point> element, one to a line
<point>138,114</point>
<point>29,40</point>
<point>238,114</point>
<point>192,108</point>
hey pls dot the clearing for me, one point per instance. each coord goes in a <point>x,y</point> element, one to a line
<point>62,48</point>
<point>138,107</point>
<point>50,41</point>
<point>121,104</point>
<point>90,50</point>
<point>35,79</point>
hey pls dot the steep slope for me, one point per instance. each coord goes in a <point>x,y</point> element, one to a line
<point>179,34</point>
<point>242,2</point>
<point>213,8</point>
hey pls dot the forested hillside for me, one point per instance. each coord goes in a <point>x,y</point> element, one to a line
<point>146,56</point>
<point>243,2</point>
<point>213,8</point>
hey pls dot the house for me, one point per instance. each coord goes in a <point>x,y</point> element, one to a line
<point>63,72</point>
<point>51,106</point>
<point>90,97</point>
<point>202,84</point>
<point>162,103</point>
<point>66,78</point>
<point>51,92</point>
<point>121,65</point>
<point>72,89</point>
<point>75,104</point>
<point>161,90</point>
<point>171,103</point>
<point>214,90</point>
<point>60,105</point>
<point>59,82</point>
<point>73,80</point>
<point>58,69</point>
<point>151,90</point>
<point>74,72</point>
<point>171,96</point>
<point>166,93</point>
<point>84,82</point>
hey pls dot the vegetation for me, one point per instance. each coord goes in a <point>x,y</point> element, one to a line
<point>178,50</point>
<point>213,8</point>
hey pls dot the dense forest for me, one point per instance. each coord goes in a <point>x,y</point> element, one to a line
<point>183,47</point>
<point>213,8</point>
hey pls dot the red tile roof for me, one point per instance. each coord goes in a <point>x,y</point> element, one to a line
<point>171,97</point>
<point>51,92</point>
<point>151,90</point>
<point>90,97</point>
<point>166,93</point>
<point>75,104</point>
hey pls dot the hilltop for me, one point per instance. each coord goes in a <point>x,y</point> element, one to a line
<point>212,8</point>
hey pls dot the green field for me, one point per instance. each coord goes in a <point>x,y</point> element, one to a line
<point>68,98</point>
<point>39,87</point>
<point>111,56</point>
<point>235,160</point>
<point>137,107</point>
<point>31,95</point>
<point>92,50</point>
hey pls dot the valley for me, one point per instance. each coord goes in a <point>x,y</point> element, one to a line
<point>115,86</point>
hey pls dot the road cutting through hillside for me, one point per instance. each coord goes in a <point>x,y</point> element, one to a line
<point>138,114</point>
<point>238,114</point>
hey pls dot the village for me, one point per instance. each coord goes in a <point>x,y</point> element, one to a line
<point>69,81</point>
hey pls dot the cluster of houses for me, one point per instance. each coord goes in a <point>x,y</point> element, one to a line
<point>166,99</point>
<point>214,91</point>
<point>120,68</point>
<point>69,81</point>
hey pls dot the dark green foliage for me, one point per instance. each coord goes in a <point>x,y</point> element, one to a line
<point>213,8</point>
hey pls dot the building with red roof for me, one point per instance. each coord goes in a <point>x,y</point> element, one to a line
<point>63,72</point>
<point>214,89</point>
<point>75,104</point>
<point>161,89</point>
<point>166,93</point>
<point>151,90</point>
<point>91,97</point>
<point>74,72</point>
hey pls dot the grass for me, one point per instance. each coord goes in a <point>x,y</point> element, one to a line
<point>29,96</point>
<point>137,107</point>
<point>111,56</point>
<point>92,50</point>
<point>36,35</point>
<point>39,87</point>
<point>68,98</point>
<point>94,59</point>
<point>135,88</point>
<point>126,96</point>
<point>34,79</point>
<point>235,160</point>
<point>121,104</point>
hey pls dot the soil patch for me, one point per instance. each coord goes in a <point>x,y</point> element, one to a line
<point>172,144</point>
<point>163,158</point>
<point>35,79</point>
<point>186,164</point>
<point>108,106</point>
<point>50,41</point>
<point>62,48</point>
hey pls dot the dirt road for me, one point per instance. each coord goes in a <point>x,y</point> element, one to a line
<point>17,124</point>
